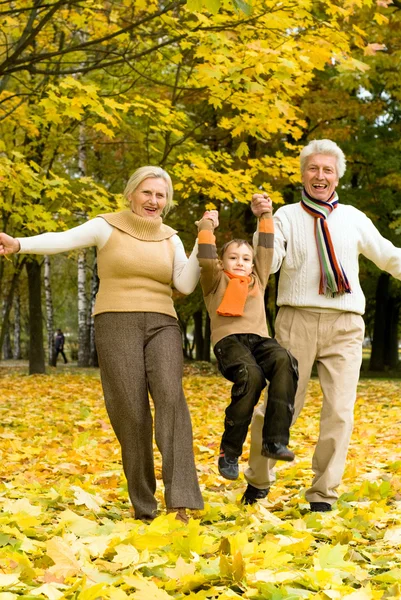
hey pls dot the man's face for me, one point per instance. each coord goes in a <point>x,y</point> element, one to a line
<point>320,176</point>
<point>238,260</point>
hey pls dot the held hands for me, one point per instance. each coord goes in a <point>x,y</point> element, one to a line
<point>261,203</point>
<point>212,215</point>
<point>8,244</point>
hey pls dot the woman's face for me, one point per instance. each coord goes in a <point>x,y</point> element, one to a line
<point>149,198</point>
<point>320,176</point>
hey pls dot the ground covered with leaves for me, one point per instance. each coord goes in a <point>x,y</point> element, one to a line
<point>66,529</point>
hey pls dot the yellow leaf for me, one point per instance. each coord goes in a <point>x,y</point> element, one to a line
<point>91,501</point>
<point>380,19</point>
<point>145,589</point>
<point>64,558</point>
<point>49,590</point>
<point>181,569</point>
<point>126,555</point>
<point>8,580</point>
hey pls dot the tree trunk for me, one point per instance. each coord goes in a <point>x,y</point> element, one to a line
<point>377,358</point>
<point>93,359</point>
<point>206,340</point>
<point>391,333</point>
<point>49,314</point>
<point>17,326</point>
<point>36,350</point>
<point>83,334</point>
<point>198,334</point>
<point>9,300</point>
<point>185,341</point>
<point>6,348</point>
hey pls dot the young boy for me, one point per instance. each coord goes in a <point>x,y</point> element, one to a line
<point>233,290</point>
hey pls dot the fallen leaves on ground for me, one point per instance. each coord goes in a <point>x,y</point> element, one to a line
<point>67,531</point>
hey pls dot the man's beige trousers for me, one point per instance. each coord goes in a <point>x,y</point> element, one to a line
<point>334,340</point>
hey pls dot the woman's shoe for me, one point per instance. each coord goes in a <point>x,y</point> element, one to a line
<point>181,514</point>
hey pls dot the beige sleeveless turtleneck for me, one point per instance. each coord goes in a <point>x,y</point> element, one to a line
<point>135,266</point>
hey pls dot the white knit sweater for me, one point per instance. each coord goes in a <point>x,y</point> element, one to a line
<point>97,232</point>
<point>295,251</point>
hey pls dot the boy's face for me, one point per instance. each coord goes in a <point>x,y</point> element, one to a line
<point>238,260</point>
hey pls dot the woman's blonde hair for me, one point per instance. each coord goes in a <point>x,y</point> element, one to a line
<point>145,173</point>
<point>323,147</point>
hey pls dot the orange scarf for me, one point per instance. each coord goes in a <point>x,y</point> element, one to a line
<point>235,296</point>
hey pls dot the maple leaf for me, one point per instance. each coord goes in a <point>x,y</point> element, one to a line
<point>181,569</point>
<point>64,558</point>
<point>92,501</point>
<point>126,555</point>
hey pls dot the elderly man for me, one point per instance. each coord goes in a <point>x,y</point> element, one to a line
<point>317,244</point>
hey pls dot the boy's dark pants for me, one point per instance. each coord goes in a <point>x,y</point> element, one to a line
<point>248,360</point>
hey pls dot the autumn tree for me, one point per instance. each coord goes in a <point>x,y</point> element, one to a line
<point>215,97</point>
<point>362,113</point>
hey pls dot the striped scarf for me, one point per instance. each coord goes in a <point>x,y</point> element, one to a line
<point>333,280</point>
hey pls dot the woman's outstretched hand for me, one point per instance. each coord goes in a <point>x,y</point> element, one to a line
<point>8,244</point>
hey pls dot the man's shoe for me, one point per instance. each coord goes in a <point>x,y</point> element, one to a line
<point>228,465</point>
<point>320,507</point>
<point>252,494</point>
<point>277,451</point>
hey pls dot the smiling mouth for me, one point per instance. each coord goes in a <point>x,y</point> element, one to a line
<point>319,186</point>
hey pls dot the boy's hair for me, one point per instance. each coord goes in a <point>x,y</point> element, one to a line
<point>237,241</point>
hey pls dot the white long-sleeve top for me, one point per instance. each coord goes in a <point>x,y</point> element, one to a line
<point>96,232</point>
<point>295,251</point>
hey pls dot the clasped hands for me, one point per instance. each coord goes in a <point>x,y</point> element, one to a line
<point>261,203</point>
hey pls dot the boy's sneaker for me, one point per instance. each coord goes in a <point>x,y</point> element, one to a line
<point>228,465</point>
<point>252,494</point>
<point>277,451</point>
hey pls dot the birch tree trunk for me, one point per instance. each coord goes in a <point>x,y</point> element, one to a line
<point>17,326</point>
<point>49,313</point>
<point>83,337</point>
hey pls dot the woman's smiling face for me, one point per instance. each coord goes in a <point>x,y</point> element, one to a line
<point>149,198</point>
<point>320,177</point>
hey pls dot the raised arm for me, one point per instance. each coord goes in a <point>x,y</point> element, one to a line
<point>379,250</point>
<point>265,247</point>
<point>186,271</point>
<point>95,232</point>
<point>261,204</point>
<point>211,268</point>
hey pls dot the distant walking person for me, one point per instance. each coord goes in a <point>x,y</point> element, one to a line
<point>59,346</point>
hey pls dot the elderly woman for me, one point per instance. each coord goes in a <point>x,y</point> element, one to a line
<point>317,244</point>
<point>138,337</point>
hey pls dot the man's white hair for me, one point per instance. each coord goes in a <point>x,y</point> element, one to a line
<point>323,147</point>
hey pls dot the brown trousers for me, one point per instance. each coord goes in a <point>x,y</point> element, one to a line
<point>141,353</point>
<point>334,340</point>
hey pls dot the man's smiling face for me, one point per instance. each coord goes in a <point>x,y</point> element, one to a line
<point>320,176</point>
